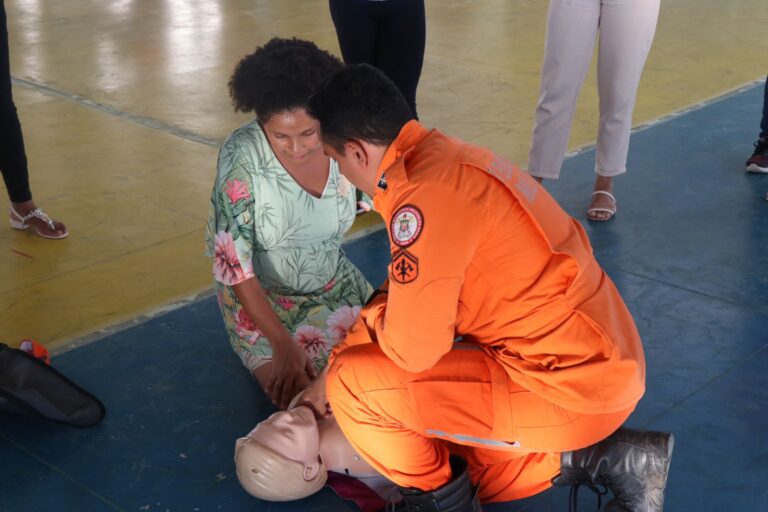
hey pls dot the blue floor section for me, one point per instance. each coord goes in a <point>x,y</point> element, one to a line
<point>688,250</point>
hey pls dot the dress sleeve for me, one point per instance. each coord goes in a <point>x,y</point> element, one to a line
<point>230,234</point>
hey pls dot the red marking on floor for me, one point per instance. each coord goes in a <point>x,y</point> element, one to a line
<point>23,254</point>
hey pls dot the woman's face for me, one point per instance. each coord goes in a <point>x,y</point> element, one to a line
<point>293,135</point>
<point>292,434</point>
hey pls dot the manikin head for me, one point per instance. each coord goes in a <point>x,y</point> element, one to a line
<point>288,455</point>
<point>279,460</point>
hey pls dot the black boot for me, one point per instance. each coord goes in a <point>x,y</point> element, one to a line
<point>633,464</point>
<point>458,495</point>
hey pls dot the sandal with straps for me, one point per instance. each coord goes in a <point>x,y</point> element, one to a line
<point>611,211</point>
<point>19,222</point>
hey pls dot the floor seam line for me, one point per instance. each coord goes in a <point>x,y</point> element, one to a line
<point>169,307</point>
<point>702,387</point>
<point>749,307</point>
<point>60,471</point>
<point>146,122</point>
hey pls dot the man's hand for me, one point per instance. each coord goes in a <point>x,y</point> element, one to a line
<point>315,395</point>
<point>292,371</point>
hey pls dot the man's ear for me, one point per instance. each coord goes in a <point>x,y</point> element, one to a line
<point>311,470</point>
<point>357,151</point>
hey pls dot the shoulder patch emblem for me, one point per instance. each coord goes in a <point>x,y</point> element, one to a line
<point>405,267</point>
<point>406,225</point>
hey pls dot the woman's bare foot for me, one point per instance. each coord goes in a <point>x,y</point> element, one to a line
<point>39,222</point>
<point>603,205</point>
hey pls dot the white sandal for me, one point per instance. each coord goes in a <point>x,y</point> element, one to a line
<point>19,222</point>
<point>611,211</point>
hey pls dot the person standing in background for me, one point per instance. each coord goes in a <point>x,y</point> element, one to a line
<point>387,34</point>
<point>626,29</point>
<point>758,162</point>
<point>24,213</point>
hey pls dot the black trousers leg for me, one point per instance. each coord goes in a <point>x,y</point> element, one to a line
<point>390,35</point>
<point>356,30</point>
<point>13,158</point>
<point>400,46</point>
<point>764,123</point>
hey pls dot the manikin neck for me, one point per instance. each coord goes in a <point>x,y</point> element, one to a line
<point>337,453</point>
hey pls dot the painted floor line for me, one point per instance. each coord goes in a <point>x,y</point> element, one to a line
<point>165,308</point>
<point>109,330</point>
<point>650,423</point>
<point>170,129</point>
<point>674,115</point>
<point>760,310</point>
<point>61,473</point>
<point>162,309</point>
<point>147,122</point>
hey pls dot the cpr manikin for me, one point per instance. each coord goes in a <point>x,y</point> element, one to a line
<point>287,456</point>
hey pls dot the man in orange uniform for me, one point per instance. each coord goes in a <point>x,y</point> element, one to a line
<point>549,363</point>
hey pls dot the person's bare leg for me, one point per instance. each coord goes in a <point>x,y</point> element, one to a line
<point>603,184</point>
<point>25,208</point>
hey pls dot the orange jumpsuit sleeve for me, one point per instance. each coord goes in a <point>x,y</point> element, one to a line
<point>418,325</point>
<point>364,328</point>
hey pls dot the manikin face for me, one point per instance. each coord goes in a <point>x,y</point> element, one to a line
<point>279,459</point>
<point>293,434</point>
<point>293,135</point>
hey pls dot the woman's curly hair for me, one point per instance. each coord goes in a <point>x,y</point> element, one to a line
<point>280,76</point>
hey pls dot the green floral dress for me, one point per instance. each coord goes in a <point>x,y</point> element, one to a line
<point>262,223</point>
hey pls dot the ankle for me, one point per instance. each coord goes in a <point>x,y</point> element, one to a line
<point>604,183</point>
<point>23,208</point>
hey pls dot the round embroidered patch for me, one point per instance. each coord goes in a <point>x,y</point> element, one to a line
<point>406,225</point>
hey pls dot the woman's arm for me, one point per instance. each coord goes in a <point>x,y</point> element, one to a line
<point>291,369</point>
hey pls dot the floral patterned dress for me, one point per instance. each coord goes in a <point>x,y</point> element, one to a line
<point>262,223</point>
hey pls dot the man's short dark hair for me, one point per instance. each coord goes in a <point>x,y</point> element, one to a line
<point>359,102</point>
<point>280,76</point>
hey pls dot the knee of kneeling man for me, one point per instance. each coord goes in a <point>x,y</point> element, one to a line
<point>349,364</point>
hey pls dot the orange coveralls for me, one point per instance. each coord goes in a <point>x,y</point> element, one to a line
<point>549,360</point>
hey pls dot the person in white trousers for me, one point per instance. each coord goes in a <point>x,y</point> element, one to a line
<point>626,29</point>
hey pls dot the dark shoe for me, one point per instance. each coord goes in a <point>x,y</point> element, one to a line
<point>458,495</point>
<point>758,162</point>
<point>633,464</point>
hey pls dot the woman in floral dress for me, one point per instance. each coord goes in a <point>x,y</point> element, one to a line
<point>278,211</point>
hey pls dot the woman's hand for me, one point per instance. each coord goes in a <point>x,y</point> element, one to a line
<point>292,371</point>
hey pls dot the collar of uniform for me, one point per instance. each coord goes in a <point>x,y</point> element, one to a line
<point>392,162</point>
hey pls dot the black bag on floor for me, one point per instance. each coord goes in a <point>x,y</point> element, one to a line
<point>29,386</point>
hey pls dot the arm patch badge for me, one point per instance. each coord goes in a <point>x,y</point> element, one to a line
<point>405,267</point>
<point>406,225</point>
